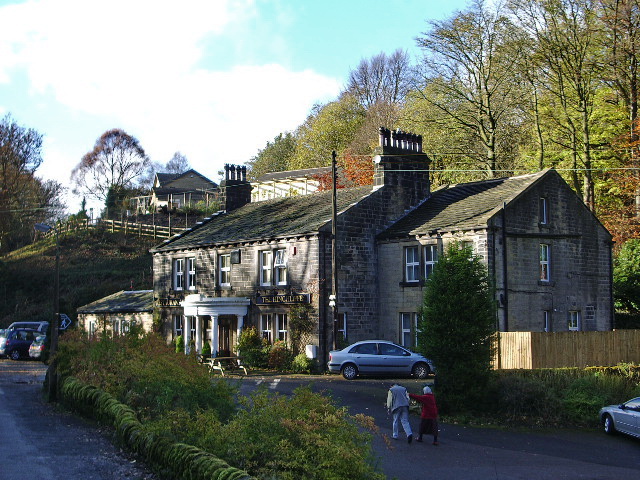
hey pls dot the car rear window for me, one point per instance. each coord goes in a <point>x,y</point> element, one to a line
<point>386,349</point>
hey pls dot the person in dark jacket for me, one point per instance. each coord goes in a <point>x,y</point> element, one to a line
<point>429,414</point>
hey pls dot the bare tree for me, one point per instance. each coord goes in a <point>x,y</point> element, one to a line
<point>382,79</point>
<point>178,164</point>
<point>470,63</point>
<point>24,199</point>
<point>117,161</point>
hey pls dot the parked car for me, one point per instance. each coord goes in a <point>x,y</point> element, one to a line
<point>39,326</point>
<point>378,357</point>
<point>624,418</point>
<point>3,339</point>
<point>17,343</point>
<point>38,350</point>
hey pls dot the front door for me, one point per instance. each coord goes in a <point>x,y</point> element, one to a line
<point>224,337</point>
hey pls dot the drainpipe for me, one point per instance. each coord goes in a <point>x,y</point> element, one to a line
<point>505,282</point>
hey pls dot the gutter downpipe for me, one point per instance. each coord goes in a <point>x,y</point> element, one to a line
<point>505,282</point>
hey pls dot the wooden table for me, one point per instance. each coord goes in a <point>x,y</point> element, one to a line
<point>225,365</point>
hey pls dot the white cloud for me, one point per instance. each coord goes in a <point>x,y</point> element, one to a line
<point>151,67</point>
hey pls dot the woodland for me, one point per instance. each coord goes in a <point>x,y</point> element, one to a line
<point>501,89</point>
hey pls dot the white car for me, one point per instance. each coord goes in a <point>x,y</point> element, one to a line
<point>624,418</point>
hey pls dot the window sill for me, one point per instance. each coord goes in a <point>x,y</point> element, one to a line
<point>545,283</point>
<point>412,284</point>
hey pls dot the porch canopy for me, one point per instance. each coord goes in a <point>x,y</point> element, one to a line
<point>196,306</point>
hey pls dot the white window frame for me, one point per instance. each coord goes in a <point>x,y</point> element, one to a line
<point>178,274</point>
<point>342,326</point>
<point>546,321</point>
<point>574,320</point>
<point>430,259</point>
<point>178,323</point>
<point>266,267</point>
<point>543,207</point>
<point>282,324</point>
<point>224,269</point>
<point>191,273</point>
<point>412,265</point>
<point>408,329</point>
<point>280,266</point>
<point>545,262</point>
<point>266,326</point>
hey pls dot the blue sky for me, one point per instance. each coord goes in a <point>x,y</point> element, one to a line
<point>213,79</point>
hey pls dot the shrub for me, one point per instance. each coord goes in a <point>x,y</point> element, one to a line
<point>304,436</point>
<point>302,364</point>
<point>144,373</point>
<point>206,349</point>
<point>179,342</point>
<point>253,348</point>
<point>280,356</point>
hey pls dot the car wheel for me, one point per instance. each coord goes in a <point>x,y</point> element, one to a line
<point>349,371</point>
<point>421,370</point>
<point>15,355</point>
<point>607,423</point>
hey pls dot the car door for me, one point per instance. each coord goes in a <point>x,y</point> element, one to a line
<point>365,356</point>
<point>629,417</point>
<point>394,359</point>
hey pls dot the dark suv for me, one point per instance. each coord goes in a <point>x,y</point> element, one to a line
<point>17,343</point>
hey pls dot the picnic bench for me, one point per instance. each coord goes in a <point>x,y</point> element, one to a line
<point>225,365</point>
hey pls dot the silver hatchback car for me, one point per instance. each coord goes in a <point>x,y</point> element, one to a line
<point>378,357</point>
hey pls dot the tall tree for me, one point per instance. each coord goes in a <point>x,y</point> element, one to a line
<point>24,199</point>
<point>178,164</point>
<point>382,79</point>
<point>117,161</point>
<point>456,326</point>
<point>568,38</point>
<point>329,127</point>
<point>470,62</point>
<point>274,157</point>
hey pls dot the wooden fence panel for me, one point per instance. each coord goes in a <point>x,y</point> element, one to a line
<point>566,349</point>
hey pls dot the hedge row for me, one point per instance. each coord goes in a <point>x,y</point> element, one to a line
<point>628,370</point>
<point>179,460</point>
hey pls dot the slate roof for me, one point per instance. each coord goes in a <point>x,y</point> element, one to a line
<point>125,301</point>
<point>278,217</point>
<point>460,207</point>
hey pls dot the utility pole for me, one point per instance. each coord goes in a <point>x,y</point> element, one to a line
<point>333,298</point>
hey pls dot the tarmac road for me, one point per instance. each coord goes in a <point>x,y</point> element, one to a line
<point>470,453</point>
<point>38,440</point>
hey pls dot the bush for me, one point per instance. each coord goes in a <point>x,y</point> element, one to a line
<point>302,364</point>
<point>304,436</point>
<point>144,373</point>
<point>179,342</point>
<point>253,348</point>
<point>280,356</point>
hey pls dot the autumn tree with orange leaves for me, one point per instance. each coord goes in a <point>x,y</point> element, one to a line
<point>621,213</point>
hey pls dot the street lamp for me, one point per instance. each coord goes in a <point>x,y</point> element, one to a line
<point>43,227</point>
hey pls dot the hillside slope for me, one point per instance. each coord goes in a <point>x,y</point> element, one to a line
<point>93,264</point>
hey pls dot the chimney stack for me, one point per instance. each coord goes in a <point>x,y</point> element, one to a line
<point>400,161</point>
<point>235,191</point>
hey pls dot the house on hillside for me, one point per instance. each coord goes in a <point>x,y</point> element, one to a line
<point>174,190</point>
<point>251,263</point>
<point>115,314</point>
<point>287,184</point>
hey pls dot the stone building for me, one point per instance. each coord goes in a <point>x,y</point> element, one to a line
<point>251,263</point>
<point>116,313</point>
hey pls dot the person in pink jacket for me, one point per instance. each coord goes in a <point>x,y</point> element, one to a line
<point>428,416</point>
